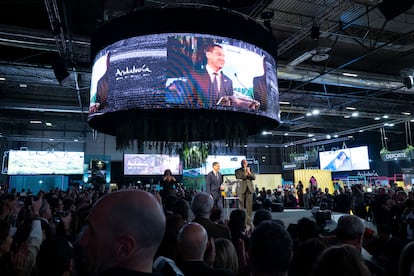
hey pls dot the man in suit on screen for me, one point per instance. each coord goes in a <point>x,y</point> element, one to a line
<point>210,84</point>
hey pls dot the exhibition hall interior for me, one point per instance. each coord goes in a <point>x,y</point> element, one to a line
<point>339,81</point>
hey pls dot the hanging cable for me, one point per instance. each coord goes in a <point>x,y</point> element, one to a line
<point>408,138</point>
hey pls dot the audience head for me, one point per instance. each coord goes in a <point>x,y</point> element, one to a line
<point>226,255</point>
<point>55,257</point>
<point>192,242</point>
<point>237,223</point>
<point>202,204</point>
<point>261,215</point>
<point>406,263</point>
<point>350,230</point>
<point>305,255</point>
<point>343,260</point>
<point>182,208</point>
<point>124,230</point>
<point>270,251</point>
<point>6,238</point>
<point>306,229</point>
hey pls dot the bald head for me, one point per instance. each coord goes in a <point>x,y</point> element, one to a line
<point>125,229</point>
<point>136,212</point>
<point>192,241</point>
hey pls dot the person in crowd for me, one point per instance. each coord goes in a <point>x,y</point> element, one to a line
<point>406,262</point>
<point>192,244</point>
<point>239,237</point>
<point>342,260</point>
<point>201,206</point>
<point>210,84</point>
<point>271,250</point>
<point>214,186</point>
<point>305,255</point>
<point>299,192</point>
<point>358,201</point>
<point>6,240</point>
<point>246,187</point>
<point>261,215</point>
<point>168,246</point>
<point>29,247</point>
<point>56,257</point>
<point>123,233</point>
<point>226,255</point>
<point>168,184</point>
<point>350,230</point>
<point>182,208</point>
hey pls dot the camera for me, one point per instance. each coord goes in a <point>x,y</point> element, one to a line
<point>57,216</point>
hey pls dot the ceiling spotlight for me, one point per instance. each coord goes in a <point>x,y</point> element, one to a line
<point>350,108</point>
<point>354,114</point>
<point>377,118</point>
<point>328,136</point>
<point>385,117</point>
<point>308,114</point>
<point>315,112</point>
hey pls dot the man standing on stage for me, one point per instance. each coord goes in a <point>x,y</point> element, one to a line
<point>246,188</point>
<point>214,181</point>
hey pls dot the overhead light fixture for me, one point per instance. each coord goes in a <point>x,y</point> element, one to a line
<point>35,122</point>
<point>284,103</point>
<point>377,118</point>
<point>347,116</point>
<point>328,136</point>
<point>311,135</point>
<point>308,114</point>
<point>350,108</point>
<point>2,78</point>
<point>385,117</point>
<point>336,136</point>
<point>354,114</point>
<point>350,74</point>
<point>406,113</point>
<point>286,134</point>
<point>48,124</point>
<point>23,85</point>
<point>315,112</point>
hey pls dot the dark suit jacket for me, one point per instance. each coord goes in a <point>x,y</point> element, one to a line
<point>213,184</point>
<point>246,181</point>
<point>260,91</point>
<point>201,88</point>
<point>213,229</point>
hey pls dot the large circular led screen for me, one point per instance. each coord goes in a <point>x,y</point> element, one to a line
<point>180,77</point>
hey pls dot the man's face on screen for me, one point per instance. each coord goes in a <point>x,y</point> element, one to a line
<point>215,58</point>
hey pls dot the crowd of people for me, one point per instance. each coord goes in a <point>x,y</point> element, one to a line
<point>137,232</point>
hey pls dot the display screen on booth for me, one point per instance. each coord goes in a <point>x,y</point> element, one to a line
<point>349,159</point>
<point>151,164</point>
<point>170,71</point>
<point>45,162</point>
